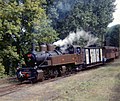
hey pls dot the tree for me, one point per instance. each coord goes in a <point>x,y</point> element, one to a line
<point>103,9</point>
<point>90,15</point>
<point>112,36</point>
<point>22,23</point>
<point>36,24</point>
<point>9,27</point>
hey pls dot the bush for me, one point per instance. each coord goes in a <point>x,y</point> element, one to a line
<point>2,70</point>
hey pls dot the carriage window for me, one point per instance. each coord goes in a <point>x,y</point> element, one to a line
<point>71,50</point>
<point>78,50</point>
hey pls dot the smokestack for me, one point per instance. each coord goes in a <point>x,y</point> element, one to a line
<point>43,47</point>
<point>50,47</point>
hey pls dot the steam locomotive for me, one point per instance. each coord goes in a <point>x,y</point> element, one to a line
<point>51,61</point>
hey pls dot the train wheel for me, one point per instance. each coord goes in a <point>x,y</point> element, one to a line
<point>34,80</point>
<point>21,80</point>
<point>79,68</point>
<point>46,73</point>
<point>68,70</point>
<point>84,66</point>
<point>54,73</point>
<point>59,71</point>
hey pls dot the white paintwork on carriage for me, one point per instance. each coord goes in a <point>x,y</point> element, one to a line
<point>92,55</point>
<point>101,54</point>
<point>94,51</point>
<point>87,56</point>
<point>97,55</point>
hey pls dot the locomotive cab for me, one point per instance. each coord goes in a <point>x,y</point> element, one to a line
<point>74,49</point>
<point>77,49</point>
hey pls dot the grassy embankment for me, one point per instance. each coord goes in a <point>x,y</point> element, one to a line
<point>101,84</point>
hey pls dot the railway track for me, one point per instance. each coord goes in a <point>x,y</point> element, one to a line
<point>5,90</point>
<point>19,86</point>
<point>12,88</point>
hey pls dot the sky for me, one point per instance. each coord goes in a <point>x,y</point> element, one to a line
<point>116,14</point>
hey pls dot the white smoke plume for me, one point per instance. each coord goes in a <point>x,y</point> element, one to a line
<point>75,37</point>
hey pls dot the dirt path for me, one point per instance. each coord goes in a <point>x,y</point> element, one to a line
<point>101,84</point>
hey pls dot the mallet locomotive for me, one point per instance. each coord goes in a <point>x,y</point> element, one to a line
<point>51,61</point>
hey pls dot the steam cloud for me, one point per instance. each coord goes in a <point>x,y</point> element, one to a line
<point>75,37</point>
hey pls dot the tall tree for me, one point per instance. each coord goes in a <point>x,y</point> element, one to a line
<point>9,28</point>
<point>103,9</point>
<point>22,22</point>
<point>90,15</point>
<point>112,36</point>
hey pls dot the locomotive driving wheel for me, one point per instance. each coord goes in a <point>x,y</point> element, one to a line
<point>53,73</point>
<point>79,68</point>
<point>46,74</point>
<point>68,70</point>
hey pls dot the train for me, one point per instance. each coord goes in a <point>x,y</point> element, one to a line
<point>51,61</point>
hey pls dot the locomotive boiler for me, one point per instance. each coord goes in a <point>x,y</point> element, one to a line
<point>41,59</point>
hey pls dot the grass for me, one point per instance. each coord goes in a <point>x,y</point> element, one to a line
<point>102,84</point>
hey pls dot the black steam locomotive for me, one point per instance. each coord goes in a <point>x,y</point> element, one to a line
<point>52,61</point>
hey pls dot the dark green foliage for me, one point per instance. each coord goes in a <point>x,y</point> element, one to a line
<point>21,24</point>
<point>112,36</point>
<point>9,28</point>
<point>90,15</point>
